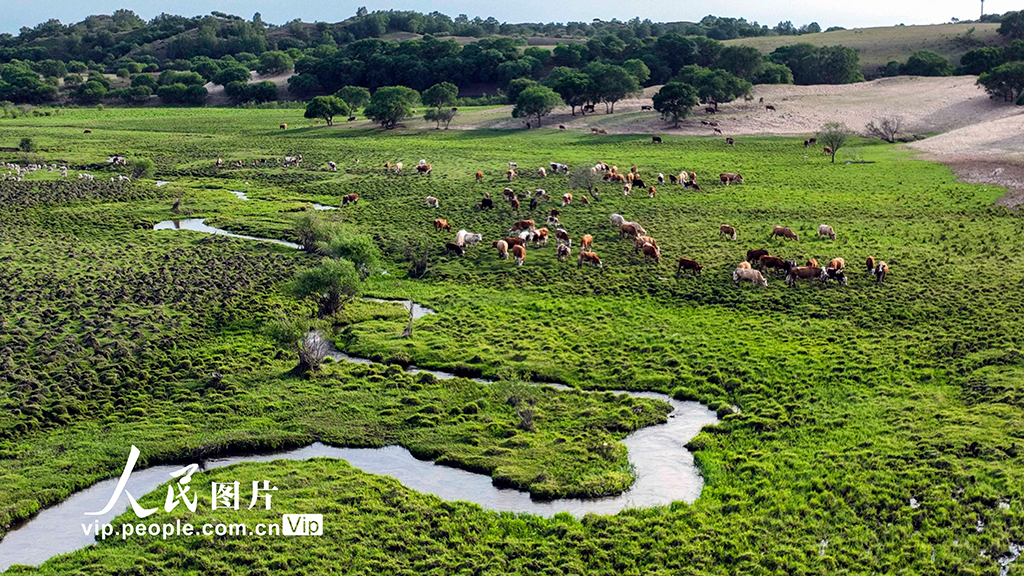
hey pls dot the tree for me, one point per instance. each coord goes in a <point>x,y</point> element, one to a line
<point>305,338</point>
<point>740,61</point>
<point>536,102</point>
<point>572,85</point>
<point>275,62</point>
<point>675,100</point>
<point>515,87</point>
<point>584,178</point>
<point>638,70</point>
<point>332,284</point>
<point>360,249</point>
<point>981,60</point>
<point>356,96</point>
<point>142,168</point>
<point>833,136</point>
<point>390,105</point>
<point>144,80</point>
<point>771,73</point>
<point>927,63</point>
<point>441,95</point>
<point>1005,81</point>
<point>1011,26</point>
<point>611,84</point>
<point>91,92</point>
<point>887,128</point>
<point>231,74</point>
<point>326,107</point>
<point>713,86</point>
<point>27,145</point>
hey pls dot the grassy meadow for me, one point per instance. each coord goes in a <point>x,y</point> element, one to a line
<point>838,405</point>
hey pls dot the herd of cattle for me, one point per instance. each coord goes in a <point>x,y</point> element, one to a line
<point>525,233</point>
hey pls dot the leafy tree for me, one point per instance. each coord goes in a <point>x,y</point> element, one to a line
<point>819,65</point>
<point>76,67</point>
<point>302,335</point>
<point>515,87</point>
<point>231,74</point>
<point>73,79</point>
<point>275,62</point>
<point>90,92</point>
<point>136,95</point>
<point>332,284</point>
<point>51,68</point>
<point>1005,81</point>
<point>1011,26</point>
<point>771,73</point>
<point>142,168</point>
<point>326,107</point>
<point>260,92</point>
<point>123,73</point>
<point>442,98</point>
<point>611,84</point>
<point>303,84</point>
<point>675,100</point>
<point>980,60</point>
<point>360,249</point>
<point>390,105</point>
<point>740,61</point>
<point>584,178</point>
<point>812,28</point>
<point>27,145</point>
<point>927,63</point>
<point>713,86</point>
<point>572,85</point>
<point>536,102</point>
<point>892,68</point>
<point>638,70</point>
<point>834,136</point>
<point>144,80</point>
<point>356,96</point>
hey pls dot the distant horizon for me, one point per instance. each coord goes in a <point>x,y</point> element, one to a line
<point>869,13</point>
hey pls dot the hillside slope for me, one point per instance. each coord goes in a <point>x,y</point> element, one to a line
<point>877,46</point>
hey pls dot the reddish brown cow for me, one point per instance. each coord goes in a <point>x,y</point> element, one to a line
<point>837,264</point>
<point>881,271</point>
<point>514,204</point>
<point>638,244</point>
<point>812,262</point>
<point>651,251</point>
<point>566,198</point>
<point>515,241</point>
<point>755,255</point>
<point>651,191</point>
<point>784,232</point>
<point>586,202</point>
<point>522,225</point>
<point>773,262</point>
<point>442,224</point>
<point>687,264</point>
<point>811,273</point>
<point>726,231</point>
<point>347,199</point>
<point>424,169</point>
<point>730,177</point>
<point>509,194</point>
<point>453,247</point>
<point>519,254</point>
<point>540,237</point>
<point>586,242</point>
<point>588,258</point>
<point>871,264</point>
<point>628,229</point>
<point>479,177</point>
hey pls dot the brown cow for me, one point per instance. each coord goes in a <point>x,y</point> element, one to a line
<point>540,237</point>
<point>881,271</point>
<point>347,199</point>
<point>837,264</point>
<point>628,229</point>
<point>871,265</point>
<point>588,258</point>
<point>585,201</point>
<point>566,198</point>
<point>773,262</point>
<point>826,150</point>
<point>453,247</point>
<point>744,264</point>
<point>519,254</point>
<point>442,224</point>
<point>811,273</point>
<point>586,242</point>
<point>515,241</point>
<point>727,231</point>
<point>522,225</point>
<point>651,191</point>
<point>502,247</point>
<point>812,262</point>
<point>479,177</point>
<point>514,204</point>
<point>424,169</point>
<point>755,255</point>
<point>651,251</point>
<point>510,174</point>
<point>784,232</point>
<point>563,237</point>
<point>686,263</point>
<point>730,177</point>
<point>638,244</point>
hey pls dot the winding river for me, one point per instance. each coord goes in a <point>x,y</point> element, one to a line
<point>664,468</point>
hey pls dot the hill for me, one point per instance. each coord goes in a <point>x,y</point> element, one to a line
<point>877,46</point>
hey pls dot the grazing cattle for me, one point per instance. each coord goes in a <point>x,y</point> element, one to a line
<point>566,198</point>
<point>726,231</point>
<point>588,107</point>
<point>638,182</point>
<point>628,229</point>
<point>563,252</point>
<point>453,247</point>
<point>508,194</point>
<point>784,232</point>
<point>812,262</point>
<point>284,126</point>
<point>387,165</point>
<point>519,254</point>
<point>687,264</point>
<point>522,225</point>
<point>515,241</point>
<point>588,258</point>
<point>561,126</point>
<point>533,203</point>
<point>826,231</point>
<point>441,224</point>
<point>555,212</point>
<point>552,220</point>
<point>651,252</point>
<point>717,131</point>
<point>744,264</point>
<point>774,263</point>
<point>617,220</point>
<point>332,166</point>
<point>479,177</point>
<point>753,255</point>
<point>813,141</point>
<point>710,110</point>
<point>626,189</point>
<point>655,139</point>
<point>559,168</point>
<point>502,247</point>
<point>646,107</point>
<point>661,178</point>
<point>584,200</point>
<point>465,237</point>
<point>486,204</point>
<point>652,192</point>
<point>398,167</point>
<point>510,175</point>
<point>826,151</point>
<point>540,237</point>
<point>871,265</point>
<point>640,229</point>
<point>730,177</point>
<point>513,165</point>
<point>769,108</point>
<point>742,274</point>
<point>351,118</point>
<point>807,143</point>
<point>836,274</point>
<point>514,204</point>
<point>730,141</point>
<point>810,273</point>
<point>638,243</point>
<point>881,271</point>
<point>587,241</point>
<point>563,237</point>
<point>87,131</point>
<point>424,169</point>
<point>432,202</point>
<point>349,199</point>
<point>760,100</point>
<point>837,264</point>
<point>673,179</point>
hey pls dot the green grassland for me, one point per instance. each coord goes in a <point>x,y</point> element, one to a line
<point>878,46</point>
<point>851,400</point>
